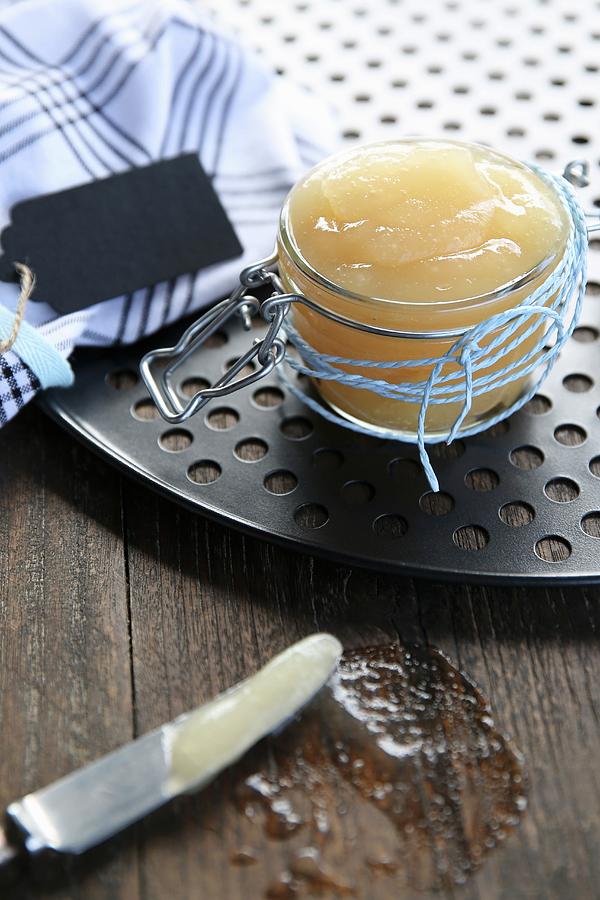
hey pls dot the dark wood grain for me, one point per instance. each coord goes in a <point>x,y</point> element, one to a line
<point>65,682</point>
<point>118,611</point>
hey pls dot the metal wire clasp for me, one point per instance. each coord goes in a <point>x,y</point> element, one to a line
<point>269,351</point>
<point>577,173</point>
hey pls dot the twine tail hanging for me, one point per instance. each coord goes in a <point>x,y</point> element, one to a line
<point>27,279</point>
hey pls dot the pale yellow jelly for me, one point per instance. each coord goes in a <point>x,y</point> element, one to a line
<point>417,236</point>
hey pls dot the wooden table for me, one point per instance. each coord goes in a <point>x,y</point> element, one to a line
<point>118,611</point>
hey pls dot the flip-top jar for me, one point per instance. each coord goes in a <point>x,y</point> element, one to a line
<point>426,238</point>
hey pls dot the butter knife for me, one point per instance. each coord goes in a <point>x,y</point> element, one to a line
<point>87,807</point>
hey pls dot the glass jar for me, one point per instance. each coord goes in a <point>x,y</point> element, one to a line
<point>424,329</point>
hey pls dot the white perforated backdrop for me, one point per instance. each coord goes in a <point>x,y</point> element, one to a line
<point>523,77</point>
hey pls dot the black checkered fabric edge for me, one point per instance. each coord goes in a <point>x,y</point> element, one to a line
<point>18,385</point>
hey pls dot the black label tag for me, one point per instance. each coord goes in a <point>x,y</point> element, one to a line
<point>113,236</point>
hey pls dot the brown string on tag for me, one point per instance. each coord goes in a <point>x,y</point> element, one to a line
<point>27,285</point>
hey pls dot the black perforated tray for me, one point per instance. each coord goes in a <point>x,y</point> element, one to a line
<point>390,70</point>
<point>518,502</point>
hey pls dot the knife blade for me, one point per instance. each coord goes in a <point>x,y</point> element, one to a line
<point>92,804</point>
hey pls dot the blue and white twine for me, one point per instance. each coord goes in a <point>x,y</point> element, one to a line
<point>558,300</point>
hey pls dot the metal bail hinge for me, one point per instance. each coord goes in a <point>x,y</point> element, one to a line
<point>577,173</point>
<point>268,351</point>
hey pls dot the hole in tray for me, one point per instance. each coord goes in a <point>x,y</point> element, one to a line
<point>145,410</point>
<point>498,429</point>
<point>526,457</point>
<point>570,435</point>
<point>471,537</point>
<point>268,397</point>
<point>191,386</point>
<point>561,490</point>
<point>591,524</point>
<point>311,515</point>
<point>553,548</point>
<point>390,526</point>
<point>538,405</point>
<point>280,482</point>
<point>222,418</point>
<point>205,471</point>
<point>251,449</point>
<point>296,428</point>
<point>585,334</point>
<point>403,470</point>
<point>517,513</point>
<point>578,383</point>
<point>436,503</point>
<point>482,479</point>
<point>447,451</point>
<point>175,440</point>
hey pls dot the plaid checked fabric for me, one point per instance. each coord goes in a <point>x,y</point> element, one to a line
<point>89,88</point>
<point>18,384</point>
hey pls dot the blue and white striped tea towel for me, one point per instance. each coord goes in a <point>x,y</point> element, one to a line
<point>93,87</point>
